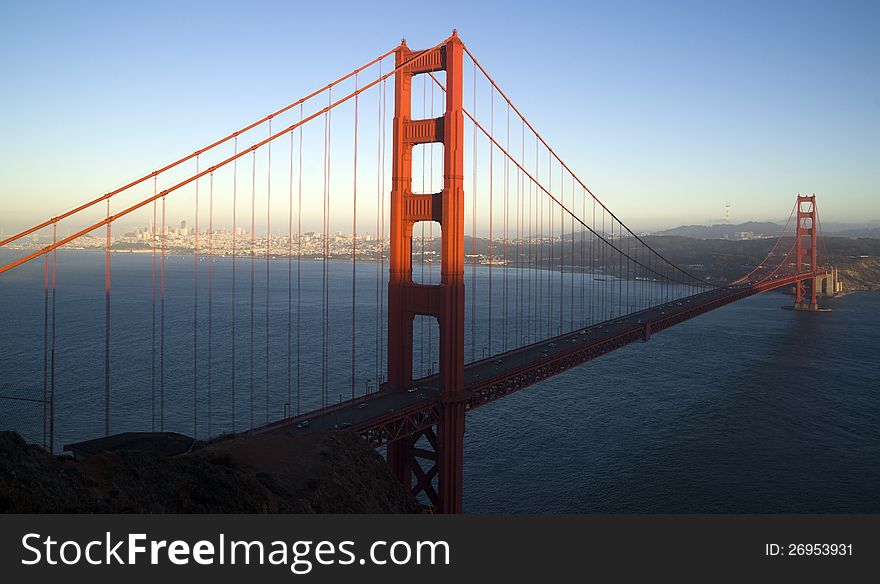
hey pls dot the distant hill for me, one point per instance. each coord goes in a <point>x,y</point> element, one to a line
<point>871,232</point>
<point>759,229</point>
<point>726,230</point>
<point>723,261</point>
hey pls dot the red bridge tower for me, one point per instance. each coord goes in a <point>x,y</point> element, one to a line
<point>445,301</point>
<point>805,250</point>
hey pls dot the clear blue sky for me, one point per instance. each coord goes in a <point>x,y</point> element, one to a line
<point>666,109</point>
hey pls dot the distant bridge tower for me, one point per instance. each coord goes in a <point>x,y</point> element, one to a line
<point>445,301</point>
<point>805,251</point>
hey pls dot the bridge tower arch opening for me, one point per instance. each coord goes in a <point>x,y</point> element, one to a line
<point>441,464</point>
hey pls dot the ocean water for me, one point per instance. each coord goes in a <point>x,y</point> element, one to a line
<point>746,409</point>
<point>749,408</point>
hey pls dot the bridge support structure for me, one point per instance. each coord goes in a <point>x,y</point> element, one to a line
<point>828,283</point>
<point>805,251</point>
<point>440,449</point>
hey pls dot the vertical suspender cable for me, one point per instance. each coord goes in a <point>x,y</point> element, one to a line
<point>107,328</point>
<point>621,301</point>
<point>153,343</point>
<point>474,232</point>
<point>162,328</point>
<point>431,233</point>
<point>299,268</point>
<point>378,245</point>
<point>571,277</point>
<point>354,244</point>
<point>538,255</point>
<point>45,348</point>
<point>600,260</point>
<point>582,261</point>
<point>324,267</point>
<point>268,245</point>
<point>325,235</point>
<point>325,370</point>
<point>618,281</point>
<point>603,315</point>
<point>616,274</point>
<point>506,218</point>
<point>608,260</point>
<point>648,278</point>
<point>665,285</point>
<point>627,307</point>
<point>561,206</point>
<point>52,350</point>
<point>643,283</point>
<point>491,205</point>
<point>234,234</point>
<point>550,216</point>
<point>290,284</point>
<point>530,248</point>
<point>384,330</point>
<point>422,254</point>
<point>618,271</point>
<point>519,254</point>
<point>253,270</point>
<point>593,268</point>
<point>196,311</point>
<point>210,302</point>
<point>561,250</point>
<point>327,255</point>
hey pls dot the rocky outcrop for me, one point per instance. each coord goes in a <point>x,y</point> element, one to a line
<point>860,274</point>
<point>319,473</point>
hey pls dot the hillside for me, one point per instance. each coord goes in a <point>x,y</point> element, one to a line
<point>725,230</point>
<point>716,260</point>
<point>317,473</point>
<point>858,260</point>
<point>763,229</point>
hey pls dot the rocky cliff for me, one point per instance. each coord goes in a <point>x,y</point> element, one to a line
<point>860,274</point>
<point>319,473</point>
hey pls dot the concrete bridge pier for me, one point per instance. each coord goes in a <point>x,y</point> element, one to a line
<point>825,285</point>
<point>828,284</point>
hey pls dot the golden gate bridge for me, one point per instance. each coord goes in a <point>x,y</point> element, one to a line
<point>532,274</point>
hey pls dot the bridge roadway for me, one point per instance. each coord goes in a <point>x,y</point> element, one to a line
<point>385,416</point>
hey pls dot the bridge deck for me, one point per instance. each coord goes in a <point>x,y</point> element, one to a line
<point>385,416</point>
